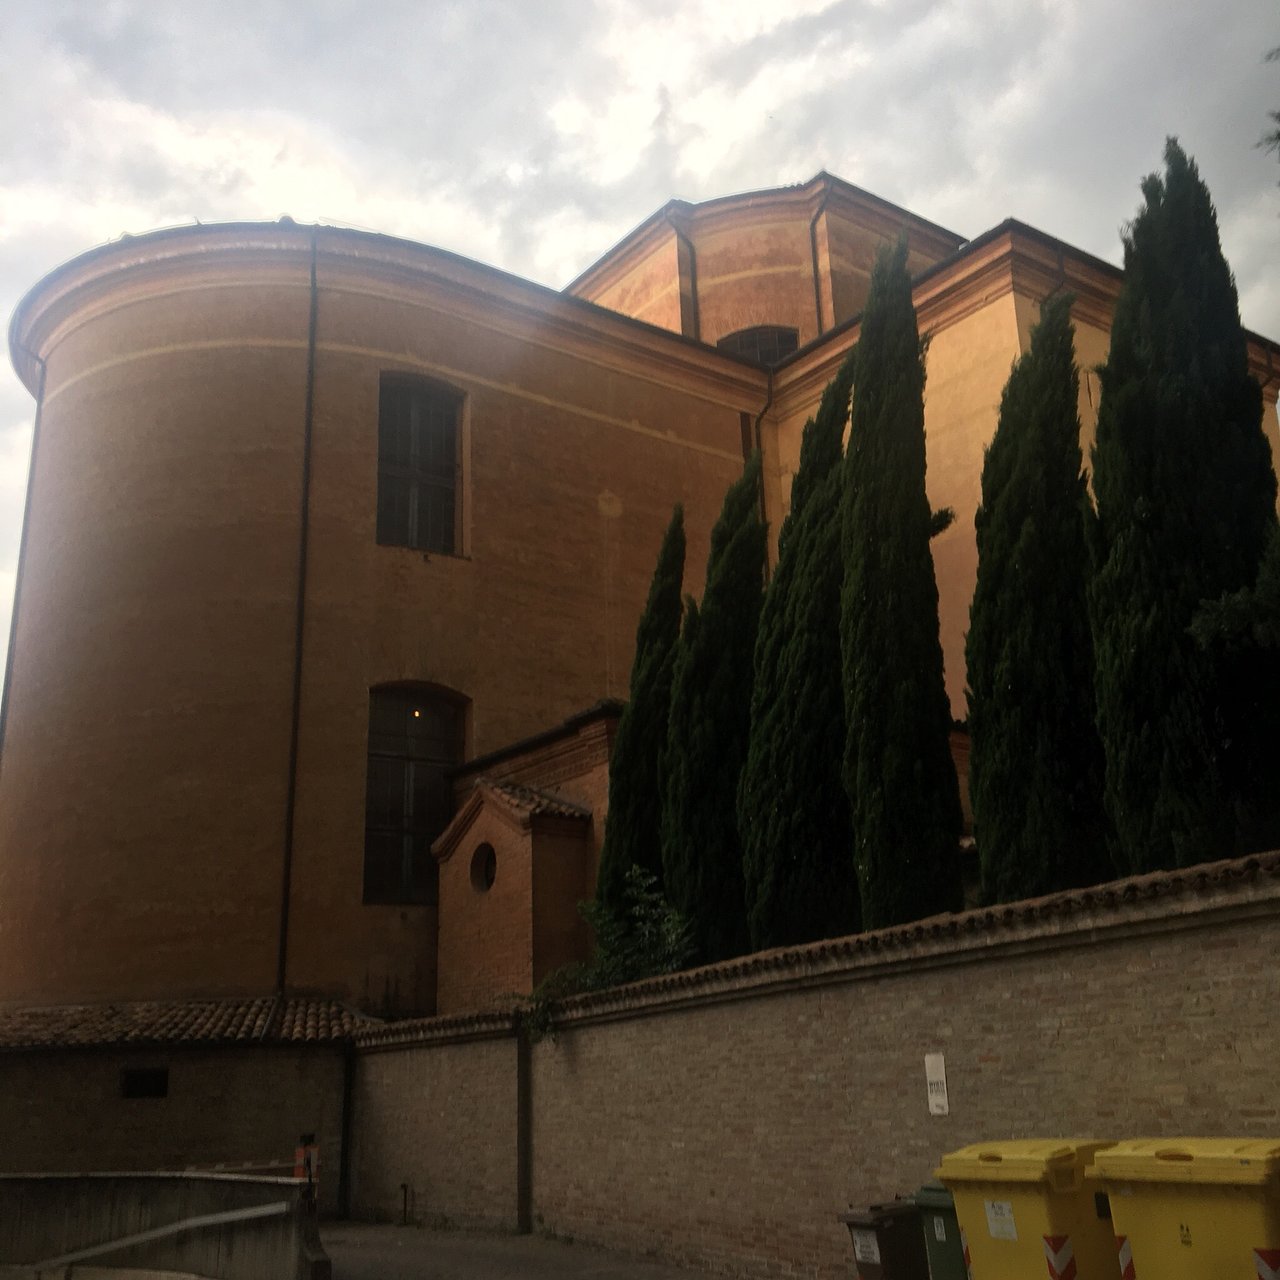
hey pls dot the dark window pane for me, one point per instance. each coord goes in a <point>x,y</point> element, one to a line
<point>766,344</point>
<point>395,509</point>
<point>383,873</point>
<point>414,739</point>
<point>385,798</point>
<point>417,465</point>
<point>144,1082</point>
<point>435,517</point>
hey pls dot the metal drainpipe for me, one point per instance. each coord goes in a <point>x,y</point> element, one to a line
<point>764,515</point>
<point>22,544</point>
<point>299,629</point>
<point>344,1154</point>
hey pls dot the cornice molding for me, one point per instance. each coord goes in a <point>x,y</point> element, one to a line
<point>362,263</point>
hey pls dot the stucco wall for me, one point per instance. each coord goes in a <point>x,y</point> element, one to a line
<point>61,1111</point>
<point>726,1117</point>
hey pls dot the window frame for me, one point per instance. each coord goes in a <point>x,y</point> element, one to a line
<point>413,469</point>
<point>421,771</point>
<point>735,343</point>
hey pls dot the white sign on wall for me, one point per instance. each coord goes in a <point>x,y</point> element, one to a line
<point>935,1074</point>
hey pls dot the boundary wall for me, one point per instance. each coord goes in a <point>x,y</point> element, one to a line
<point>156,1224</point>
<point>723,1117</point>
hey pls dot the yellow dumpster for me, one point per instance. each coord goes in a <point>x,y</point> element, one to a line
<point>1195,1208</point>
<point>1026,1209</point>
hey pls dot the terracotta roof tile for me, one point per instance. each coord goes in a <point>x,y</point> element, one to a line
<point>531,800</point>
<point>262,1019</point>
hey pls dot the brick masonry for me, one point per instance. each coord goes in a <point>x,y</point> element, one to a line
<point>725,1117</point>
<point>437,1115</point>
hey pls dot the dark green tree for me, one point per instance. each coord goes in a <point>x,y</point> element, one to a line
<point>707,731</point>
<point>1241,632</point>
<point>632,834</point>
<point>797,841</point>
<point>1186,501</point>
<point>1035,763</point>
<point>897,763</point>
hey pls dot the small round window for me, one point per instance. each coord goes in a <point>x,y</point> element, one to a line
<point>484,868</point>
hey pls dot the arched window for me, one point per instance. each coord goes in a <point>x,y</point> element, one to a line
<point>766,343</point>
<point>418,458</point>
<point>415,737</point>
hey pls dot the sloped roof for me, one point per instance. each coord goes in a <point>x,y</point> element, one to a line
<point>257,1020</point>
<point>520,805</point>
<point>531,800</point>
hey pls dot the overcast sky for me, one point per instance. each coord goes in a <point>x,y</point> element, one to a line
<point>532,134</point>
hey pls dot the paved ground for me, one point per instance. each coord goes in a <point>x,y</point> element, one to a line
<point>361,1252</point>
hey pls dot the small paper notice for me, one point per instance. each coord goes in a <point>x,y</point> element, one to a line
<point>866,1248</point>
<point>935,1074</point>
<point>1000,1221</point>
<point>940,1229</point>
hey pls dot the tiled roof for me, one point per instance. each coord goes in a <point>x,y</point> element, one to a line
<point>532,801</point>
<point>263,1020</point>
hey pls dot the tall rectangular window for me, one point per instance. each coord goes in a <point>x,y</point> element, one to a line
<point>415,737</point>
<point>418,464</point>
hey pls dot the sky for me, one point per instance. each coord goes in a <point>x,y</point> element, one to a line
<point>533,134</point>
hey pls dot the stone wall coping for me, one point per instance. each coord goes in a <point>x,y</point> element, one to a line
<point>1158,902</point>
<point>486,1025</point>
<point>1235,889</point>
<point>168,1175</point>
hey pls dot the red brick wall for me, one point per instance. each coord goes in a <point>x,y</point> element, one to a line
<point>486,937</point>
<point>726,1118</point>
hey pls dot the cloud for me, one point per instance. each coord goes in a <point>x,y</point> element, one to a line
<point>534,136</point>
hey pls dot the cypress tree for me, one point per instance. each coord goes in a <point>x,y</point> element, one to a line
<point>1035,763</point>
<point>707,731</point>
<point>1185,500</point>
<point>632,834</point>
<point>793,813</point>
<point>897,764</point>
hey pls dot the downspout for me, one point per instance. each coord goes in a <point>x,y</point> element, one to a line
<point>344,1155</point>
<point>764,515</point>
<point>524,1130</point>
<point>22,544</point>
<point>299,628</point>
<point>813,250</point>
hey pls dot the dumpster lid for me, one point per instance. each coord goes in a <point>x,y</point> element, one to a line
<point>1226,1161</point>
<point>1059,1160</point>
<point>875,1215</point>
<point>933,1195</point>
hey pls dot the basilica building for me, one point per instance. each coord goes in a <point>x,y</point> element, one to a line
<point>334,551</point>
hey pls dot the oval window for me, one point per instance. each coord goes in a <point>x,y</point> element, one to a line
<point>484,868</point>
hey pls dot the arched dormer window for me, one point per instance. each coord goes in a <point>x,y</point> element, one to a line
<point>766,343</point>
<point>419,425</point>
<point>415,737</point>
